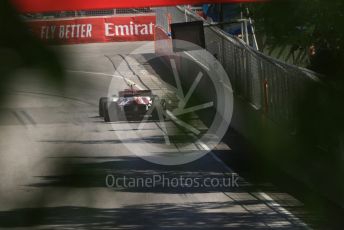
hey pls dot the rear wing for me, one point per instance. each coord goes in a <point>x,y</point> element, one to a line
<point>133,92</point>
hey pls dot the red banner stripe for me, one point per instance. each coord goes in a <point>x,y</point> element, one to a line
<point>99,29</point>
<point>39,6</point>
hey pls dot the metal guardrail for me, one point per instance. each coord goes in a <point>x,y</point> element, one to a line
<point>267,84</point>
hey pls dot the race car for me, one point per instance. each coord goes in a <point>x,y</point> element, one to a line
<point>131,104</point>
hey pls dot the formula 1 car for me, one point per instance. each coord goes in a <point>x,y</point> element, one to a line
<point>131,104</point>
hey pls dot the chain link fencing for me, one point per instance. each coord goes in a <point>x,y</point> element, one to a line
<point>267,84</point>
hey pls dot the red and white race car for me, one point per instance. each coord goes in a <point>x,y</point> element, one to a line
<point>131,104</point>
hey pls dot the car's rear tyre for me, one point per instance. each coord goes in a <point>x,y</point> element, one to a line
<point>102,104</point>
<point>155,113</point>
<point>163,104</point>
<point>110,112</point>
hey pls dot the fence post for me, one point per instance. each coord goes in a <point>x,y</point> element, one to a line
<point>266,96</point>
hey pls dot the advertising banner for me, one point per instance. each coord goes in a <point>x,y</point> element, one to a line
<point>95,29</point>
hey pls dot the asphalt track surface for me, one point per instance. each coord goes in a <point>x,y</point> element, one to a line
<point>56,153</point>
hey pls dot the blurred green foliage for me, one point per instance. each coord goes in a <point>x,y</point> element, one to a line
<point>19,49</point>
<point>305,23</point>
